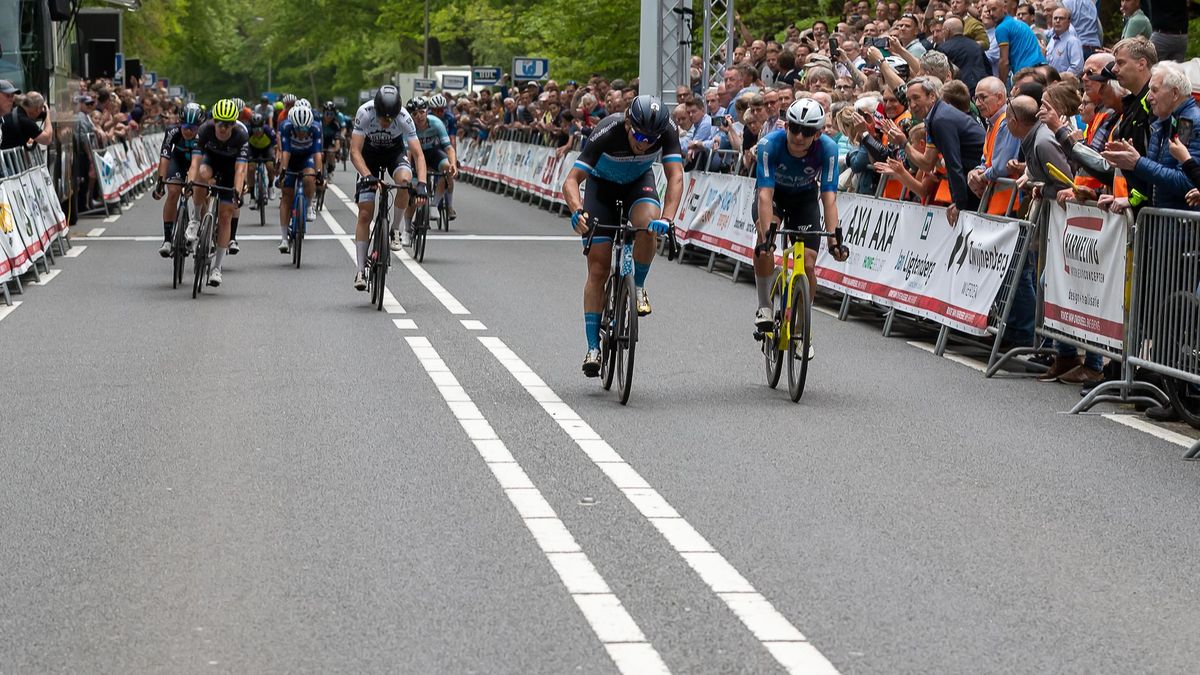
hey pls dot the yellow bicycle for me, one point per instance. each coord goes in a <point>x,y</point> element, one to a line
<point>792,328</point>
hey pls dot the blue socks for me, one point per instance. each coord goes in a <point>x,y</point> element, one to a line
<point>640,270</point>
<point>591,326</point>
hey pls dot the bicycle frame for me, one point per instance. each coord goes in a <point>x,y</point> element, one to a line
<point>785,281</point>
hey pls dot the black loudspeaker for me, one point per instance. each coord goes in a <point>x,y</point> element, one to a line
<point>60,10</point>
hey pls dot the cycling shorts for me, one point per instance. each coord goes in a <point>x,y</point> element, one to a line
<point>222,171</point>
<point>178,166</point>
<point>600,202</point>
<point>266,154</point>
<point>298,163</point>
<point>798,211</point>
<point>364,190</point>
<point>435,158</point>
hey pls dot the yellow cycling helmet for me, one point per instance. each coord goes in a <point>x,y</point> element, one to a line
<point>225,110</point>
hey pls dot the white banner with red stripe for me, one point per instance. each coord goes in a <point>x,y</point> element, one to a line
<point>1085,273</point>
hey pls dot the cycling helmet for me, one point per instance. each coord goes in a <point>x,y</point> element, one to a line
<point>300,116</point>
<point>257,121</point>
<point>239,103</point>
<point>289,99</point>
<point>417,104</point>
<point>278,105</point>
<point>899,65</point>
<point>329,105</point>
<point>192,114</point>
<point>303,103</point>
<point>387,101</point>
<point>437,101</point>
<point>225,110</point>
<point>648,116</point>
<point>807,113</point>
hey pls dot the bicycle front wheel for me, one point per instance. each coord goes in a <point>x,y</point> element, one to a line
<point>608,333</point>
<point>627,334</point>
<point>379,262</point>
<point>800,329</point>
<point>420,230</point>
<point>772,351</point>
<point>202,258</point>
<point>179,244</point>
<point>298,240</point>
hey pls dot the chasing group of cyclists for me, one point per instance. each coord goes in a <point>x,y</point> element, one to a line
<point>298,149</point>
<point>410,142</point>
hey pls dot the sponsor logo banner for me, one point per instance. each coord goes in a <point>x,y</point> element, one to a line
<point>1085,274</point>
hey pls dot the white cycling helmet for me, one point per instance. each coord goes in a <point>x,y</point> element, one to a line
<point>899,65</point>
<point>300,116</point>
<point>303,103</point>
<point>807,113</point>
<point>437,101</point>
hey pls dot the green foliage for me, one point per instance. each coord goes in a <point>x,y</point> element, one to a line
<point>322,48</point>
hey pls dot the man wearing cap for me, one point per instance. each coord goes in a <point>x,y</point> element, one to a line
<point>18,128</point>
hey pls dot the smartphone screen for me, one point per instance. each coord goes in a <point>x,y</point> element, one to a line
<point>1183,130</point>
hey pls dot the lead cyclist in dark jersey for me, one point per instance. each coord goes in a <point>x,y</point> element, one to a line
<point>617,164</point>
<point>795,165</point>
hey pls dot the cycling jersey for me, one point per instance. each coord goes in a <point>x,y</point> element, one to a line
<point>291,141</point>
<point>449,121</point>
<point>608,156</point>
<point>780,170</point>
<point>264,140</point>
<point>175,145</point>
<point>433,135</point>
<point>379,140</point>
<point>330,128</point>
<point>213,148</point>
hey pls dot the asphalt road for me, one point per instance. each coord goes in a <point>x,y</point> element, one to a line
<point>276,478</point>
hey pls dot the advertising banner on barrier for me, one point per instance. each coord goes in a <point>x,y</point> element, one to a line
<point>22,241</point>
<point>1085,273</point>
<point>715,214</point>
<point>906,255</point>
<point>107,174</point>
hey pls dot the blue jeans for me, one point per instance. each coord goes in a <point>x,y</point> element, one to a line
<point>1024,308</point>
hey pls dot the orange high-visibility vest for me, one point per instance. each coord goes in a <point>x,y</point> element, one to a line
<point>998,204</point>
<point>1081,179</point>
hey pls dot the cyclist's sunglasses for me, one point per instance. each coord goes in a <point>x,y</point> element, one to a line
<point>225,125</point>
<point>643,138</point>
<point>188,127</point>
<point>807,132</point>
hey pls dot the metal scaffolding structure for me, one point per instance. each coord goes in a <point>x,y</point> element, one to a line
<point>667,29</point>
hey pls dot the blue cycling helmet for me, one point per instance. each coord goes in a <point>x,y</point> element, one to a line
<point>193,114</point>
<point>648,116</point>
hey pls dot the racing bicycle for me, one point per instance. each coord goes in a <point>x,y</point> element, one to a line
<point>619,321</point>
<point>206,236</point>
<point>179,247</point>
<point>260,189</point>
<point>789,336</point>
<point>298,224</point>
<point>420,223</point>
<point>379,255</point>
<point>443,223</point>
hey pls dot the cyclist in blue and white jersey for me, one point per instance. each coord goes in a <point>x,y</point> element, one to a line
<point>797,179</point>
<point>617,163</point>
<point>439,108</point>
<point>299,151</point>
<point>174,161</point>
<point>439,156</point>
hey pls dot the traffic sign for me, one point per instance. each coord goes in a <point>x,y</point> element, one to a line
<point>486,76</point>
<point>422,84</point>
<point>529,68</point>
<point>175,91</point>
<point>119,67</point>
<point>152,76</point>
<point>455,82</point>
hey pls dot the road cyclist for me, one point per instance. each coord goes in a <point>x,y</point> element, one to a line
<point>439,108</point>
<point>381,143</point>
<point>439,156</point>
<point>617,163</point>
<point>219,159</point>
<point>262,143</point>
<point>175,158</point>
<point>299,155</point>
<point>796,180</point>
<point>331,134</point>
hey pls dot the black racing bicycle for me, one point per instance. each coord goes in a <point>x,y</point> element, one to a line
<point>619,321</point>
<point>260,188</point>
<point>206,236</point>
<point>420,224</point>
<point>179,247</point>
<point>379,255</point>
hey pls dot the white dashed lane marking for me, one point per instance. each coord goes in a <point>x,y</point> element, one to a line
<point>624,641</point>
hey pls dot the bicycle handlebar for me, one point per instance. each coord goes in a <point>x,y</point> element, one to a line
<point>672,242</point>
<point>211,186</point>
<point>769,245</point>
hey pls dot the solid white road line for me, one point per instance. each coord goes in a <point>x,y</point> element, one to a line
<point>824,310</point>
<point>950,356</point>
<point>113,218</point>
<point>74,251</point>
<point>97,231</point>
<point>783,640</point>
<point>625,642</point>
<point>1134,422</point>
<point>472,324</point>
<point>5,310</point>
<point>350,236</point>
<point>45,278</point>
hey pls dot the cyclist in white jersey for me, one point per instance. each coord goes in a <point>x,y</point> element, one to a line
<point>382,141</point>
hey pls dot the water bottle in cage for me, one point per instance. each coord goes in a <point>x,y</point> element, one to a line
<point>627,259</point>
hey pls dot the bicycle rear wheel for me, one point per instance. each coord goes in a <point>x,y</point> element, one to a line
<point>627,334</point>
<point>298,240</point>
<point>260,195</point>
<point>770,343</point>
<point>797,352</point>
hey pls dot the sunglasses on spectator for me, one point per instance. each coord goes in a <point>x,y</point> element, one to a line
<point>801,130</point>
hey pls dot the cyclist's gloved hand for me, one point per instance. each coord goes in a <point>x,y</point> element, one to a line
<point>422,190</point>
<point>838,250</point>
<point>579,221</point>
<point>660,226</point>
<point>158,190</point>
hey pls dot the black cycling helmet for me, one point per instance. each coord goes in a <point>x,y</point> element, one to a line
<point>387,101</point>
<point>648,116</point>
<point>330,107</point>
<point>416,104</point>
<point>257,121</point>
